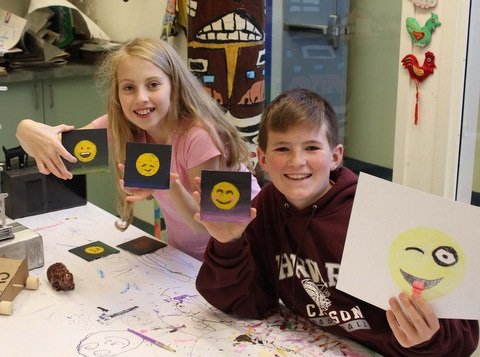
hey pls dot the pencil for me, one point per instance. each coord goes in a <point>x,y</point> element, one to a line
<point>149,339</point>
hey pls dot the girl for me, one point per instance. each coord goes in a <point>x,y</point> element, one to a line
<point>154,98</point>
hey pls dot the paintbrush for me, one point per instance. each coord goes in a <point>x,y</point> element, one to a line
<point>149,339</point>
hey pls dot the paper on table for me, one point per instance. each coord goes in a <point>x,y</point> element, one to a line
<point>400,238</point>
<point>95,31</point>
<point>11,29</point>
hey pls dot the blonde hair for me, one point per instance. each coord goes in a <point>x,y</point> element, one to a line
<point>190,105</point>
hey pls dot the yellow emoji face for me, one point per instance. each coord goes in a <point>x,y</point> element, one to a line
<point>94,249</point>
<point>225,195</point>
<point>427,262</point>
<point>147,164</point>
<point>85,151</point>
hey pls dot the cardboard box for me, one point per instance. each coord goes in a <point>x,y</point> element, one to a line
<point>26,243</point>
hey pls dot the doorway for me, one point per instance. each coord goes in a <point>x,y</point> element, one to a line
<point>347,51</point>
<point>468,183</point>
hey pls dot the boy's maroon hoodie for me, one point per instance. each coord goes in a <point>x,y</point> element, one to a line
<point>294,255</point>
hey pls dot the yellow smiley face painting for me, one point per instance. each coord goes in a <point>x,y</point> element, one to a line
<point>427,262</point>
<point>225,195</point>
<point>94,249</point>
<point>85,150</point>
<point>147,164</point>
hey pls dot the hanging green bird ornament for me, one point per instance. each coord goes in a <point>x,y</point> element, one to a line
<point>421,36</point>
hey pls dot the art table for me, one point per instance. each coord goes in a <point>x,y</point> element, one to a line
<point>153,294</point>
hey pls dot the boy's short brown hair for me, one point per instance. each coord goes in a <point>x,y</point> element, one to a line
<point>298,107</point>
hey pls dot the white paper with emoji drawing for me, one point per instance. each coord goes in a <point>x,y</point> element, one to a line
<point>402,239</point>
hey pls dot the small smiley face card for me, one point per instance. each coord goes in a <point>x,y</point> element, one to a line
<point>90,147</point>
<point>148,165</point>
<point>142,245</point>
<point>225,196</point>
<point>94,250</point>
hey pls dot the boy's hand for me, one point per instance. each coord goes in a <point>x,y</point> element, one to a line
<point>412,320</point>
<point>222,231</point>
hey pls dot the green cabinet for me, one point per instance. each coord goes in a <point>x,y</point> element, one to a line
<point>20,100</point>
<point>66,100</point>
<point>72,100</point>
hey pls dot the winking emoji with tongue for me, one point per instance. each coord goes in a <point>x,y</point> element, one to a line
<point>426,261</point>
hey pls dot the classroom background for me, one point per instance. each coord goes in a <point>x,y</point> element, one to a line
<point>348,51</point>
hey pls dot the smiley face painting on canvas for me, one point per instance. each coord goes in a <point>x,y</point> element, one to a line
<point>225,196</point>
<point>148,165</point>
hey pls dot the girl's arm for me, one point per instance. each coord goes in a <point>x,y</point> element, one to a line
<point>43,143</point>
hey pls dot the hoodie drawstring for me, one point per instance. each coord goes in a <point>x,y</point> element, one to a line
<point>300,244</point>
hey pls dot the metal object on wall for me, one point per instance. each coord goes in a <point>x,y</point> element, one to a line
<point>315,50</point>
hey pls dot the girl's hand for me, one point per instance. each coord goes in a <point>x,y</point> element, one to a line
<point>412,320</point>
<point>134,194</point>
<point>43,143</point>
<point>222,231</point>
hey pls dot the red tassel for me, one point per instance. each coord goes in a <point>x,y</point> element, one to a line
<point>416,103</point>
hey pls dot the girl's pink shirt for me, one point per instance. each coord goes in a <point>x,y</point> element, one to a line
<point>189,149</point>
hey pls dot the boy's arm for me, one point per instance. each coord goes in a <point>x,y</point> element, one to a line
<point>234,276</point>
<point>455,338</point>
<point>230,280</point>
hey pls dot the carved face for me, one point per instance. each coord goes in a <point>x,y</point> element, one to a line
<point>226,50</point>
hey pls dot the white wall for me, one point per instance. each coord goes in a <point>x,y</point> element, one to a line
<point>426,155</point>
<point>17,7</point>
<point>125,20</point>
<point>119,19</point>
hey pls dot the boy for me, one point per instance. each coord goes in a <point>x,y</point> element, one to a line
<point>292,248</point>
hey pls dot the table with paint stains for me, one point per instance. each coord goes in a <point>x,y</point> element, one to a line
<point>153,294</point>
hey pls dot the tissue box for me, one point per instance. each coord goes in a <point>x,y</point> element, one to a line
<point>26,243</point>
